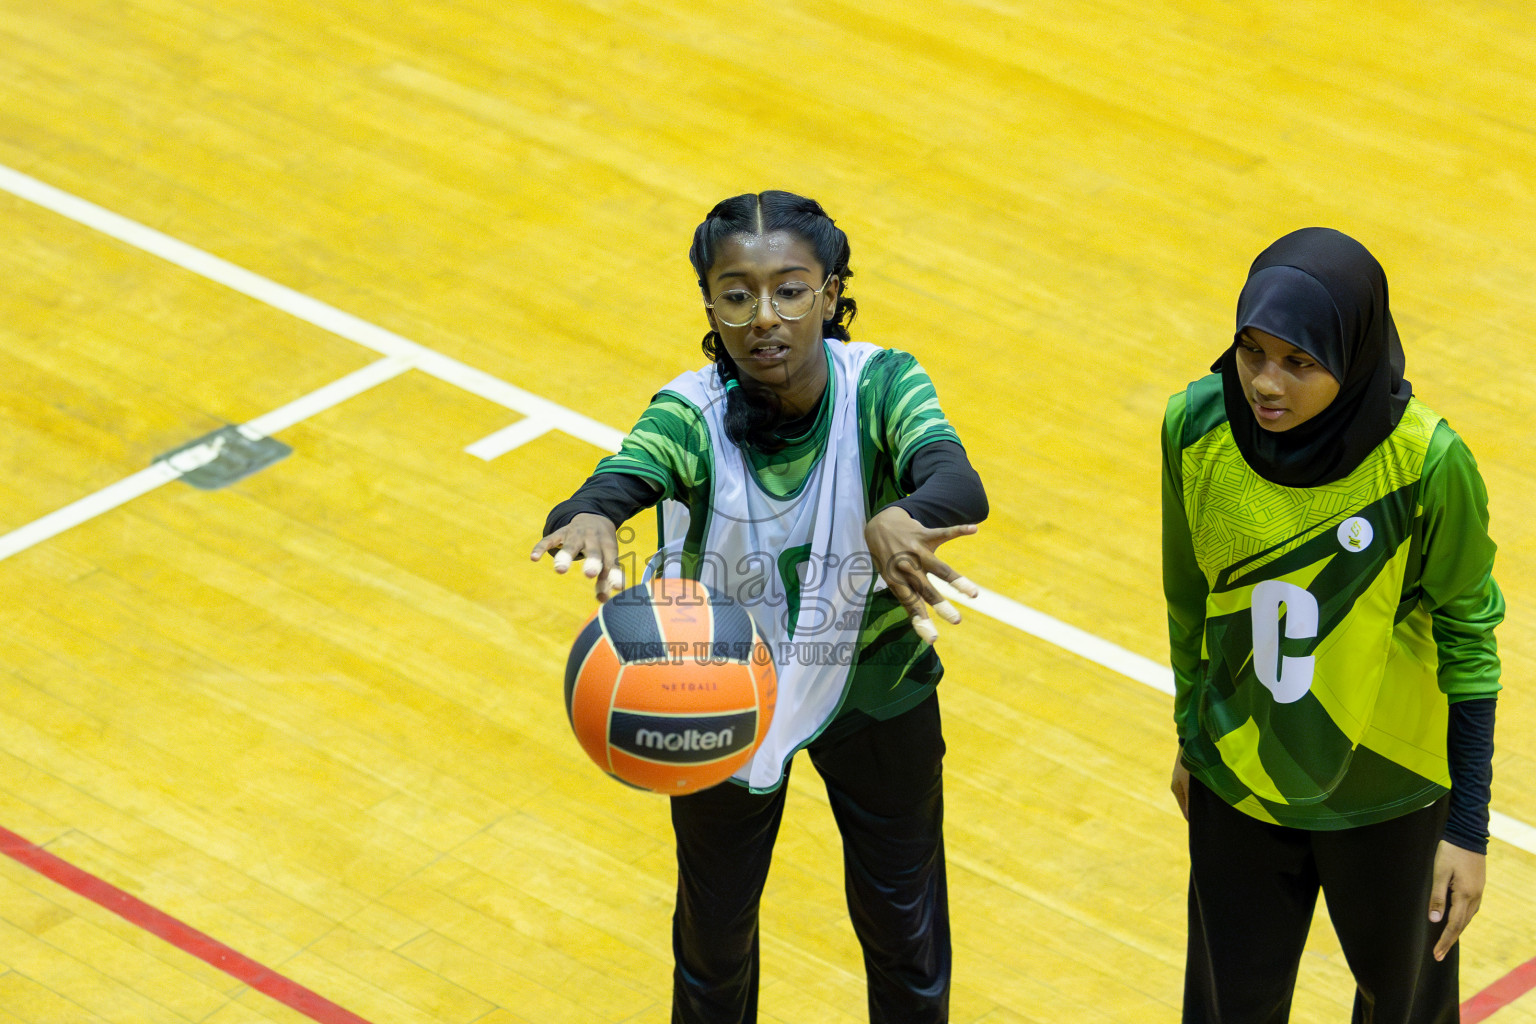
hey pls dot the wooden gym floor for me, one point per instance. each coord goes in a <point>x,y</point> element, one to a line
<point>309,726</point>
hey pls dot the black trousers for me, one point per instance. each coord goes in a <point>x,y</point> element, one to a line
<point>1252,890</point>
<point>885,786</point>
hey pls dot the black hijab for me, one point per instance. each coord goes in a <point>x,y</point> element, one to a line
<point>1323,292</point>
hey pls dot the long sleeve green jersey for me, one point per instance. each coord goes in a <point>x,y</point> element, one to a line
<point>1318,634</point>
<point>898,412</point>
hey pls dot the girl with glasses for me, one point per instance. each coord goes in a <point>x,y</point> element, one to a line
<point>812,479</point>
<point>1331,609</point>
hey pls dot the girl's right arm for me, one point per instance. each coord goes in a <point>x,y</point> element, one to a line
<point>659,458</point>
<point>1184,589</point>
<point>1184,585</point>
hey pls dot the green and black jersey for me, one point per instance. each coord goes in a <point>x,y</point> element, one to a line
<point>1319,633</point>
<point>898,413</point>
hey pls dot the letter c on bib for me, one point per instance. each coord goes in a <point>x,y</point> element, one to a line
<point>1288,679</point>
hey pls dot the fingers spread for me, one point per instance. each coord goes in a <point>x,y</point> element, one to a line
<point>912,601</point>
<point>611,581</point>
<point>949,582</point>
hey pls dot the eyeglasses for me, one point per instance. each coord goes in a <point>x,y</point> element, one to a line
<point>792,300</point>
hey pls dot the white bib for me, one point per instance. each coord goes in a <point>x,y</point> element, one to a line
<point>764,552</point>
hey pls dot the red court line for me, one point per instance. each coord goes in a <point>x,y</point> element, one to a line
<point>1500,994</point>
<point>182,936</point>
<point>317,1008</point>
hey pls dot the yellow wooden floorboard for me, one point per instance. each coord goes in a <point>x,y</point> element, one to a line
<point>253,1006</point>
<point>69,979</point>
<point>129,943</point>
<point>385,984</point>
<point>7,1018</point>
<point>503,1016</point>
<point>540,938</point>
<point>484,972</point>
<point>31,1001</point>
<point>318,714</point>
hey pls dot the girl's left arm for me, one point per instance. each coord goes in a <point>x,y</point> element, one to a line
<point>943,495</point>
<point>1184,590</point>
<point>1184,586</point>
<point>1456,579</point>
<point>946,501</point>
<point>1465,606</point>
<point>943,488</point>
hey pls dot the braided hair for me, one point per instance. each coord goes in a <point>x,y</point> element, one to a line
<point>753,413</point>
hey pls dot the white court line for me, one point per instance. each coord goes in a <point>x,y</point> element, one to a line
<point>507,438</point>
<point>478,382</point>
<point>88,507</point>
<point>1068,637</point>
<point>162,472</point>
<point>1512,831</point>
<point>334,393</point>
<point>302,307</point>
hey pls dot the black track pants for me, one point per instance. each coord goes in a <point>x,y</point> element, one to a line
<point>1252,890</point>
<point>884,783</point>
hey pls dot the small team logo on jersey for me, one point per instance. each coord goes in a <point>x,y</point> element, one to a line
<point>1355,534</point>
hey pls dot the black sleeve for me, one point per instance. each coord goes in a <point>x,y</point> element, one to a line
<point>615,495</point>
<point>1469,746</point>
<point>942,487</point>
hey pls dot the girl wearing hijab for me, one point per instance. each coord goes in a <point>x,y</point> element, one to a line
<point>1331,609</point>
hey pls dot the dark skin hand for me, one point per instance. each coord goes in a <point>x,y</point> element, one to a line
<point>903,550</point>
<point>594,538</point>
<point>1180,784</point>
<point>1459,878</point>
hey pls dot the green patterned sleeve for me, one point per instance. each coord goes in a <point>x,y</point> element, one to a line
<point>669,447</point>
<point>1460,594</point>
<point>906,408</point>
<point>1184,585</point>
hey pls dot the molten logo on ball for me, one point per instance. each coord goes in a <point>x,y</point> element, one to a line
<point>690,740</point>
<point>684,740</point>
<point>670,687</point>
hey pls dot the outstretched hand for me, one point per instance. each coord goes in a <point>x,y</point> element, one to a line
<point>593,537</point>
<point>903,550</point>
<point>1456,893</point>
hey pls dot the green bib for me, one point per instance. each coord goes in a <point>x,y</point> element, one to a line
<point>1319,706</point>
